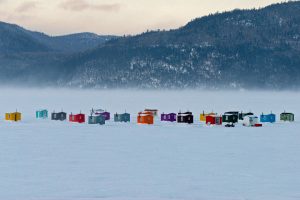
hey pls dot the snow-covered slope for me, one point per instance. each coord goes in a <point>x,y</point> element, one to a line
<point>250,49</point>
<point>42,159</point>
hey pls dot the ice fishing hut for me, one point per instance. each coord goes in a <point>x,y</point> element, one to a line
<point>231,117</point>
<point>204,115</point>
<point>213,120</point>
<point>145,118</point>
<point>60,116</point>
<point>99,119</point>
<point>78,118</point>
<point>287,117</point>
<point>41,114</point>
<point>242,115</point>
<point>271,118</point>
<point>96,118</point>
<point>125,117</point>
<point>15,116</point>
<point>251,121</point>
<point>171,117</point>
<point>106,115</point>
<point>186,117</point>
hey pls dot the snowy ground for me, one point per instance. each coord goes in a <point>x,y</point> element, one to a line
<point>42,159</point>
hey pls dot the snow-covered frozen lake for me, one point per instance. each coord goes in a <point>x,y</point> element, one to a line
<point>42,159</point>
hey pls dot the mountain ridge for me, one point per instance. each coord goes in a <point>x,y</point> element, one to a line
<point>41,42</point>
<point>256,48</point>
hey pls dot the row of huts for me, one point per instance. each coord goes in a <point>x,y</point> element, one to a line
<point>96,117</point>
<point>99,116</point>
<point>248,119</point>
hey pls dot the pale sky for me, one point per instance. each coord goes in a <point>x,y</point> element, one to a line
<point>118,17</point>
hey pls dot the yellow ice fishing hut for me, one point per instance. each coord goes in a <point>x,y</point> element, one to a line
<point>16,116</point>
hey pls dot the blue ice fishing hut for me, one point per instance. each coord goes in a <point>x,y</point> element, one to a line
<point>41,114</point>
<point>271,118</point>
<point>125,117</point>
<point>98,119</point>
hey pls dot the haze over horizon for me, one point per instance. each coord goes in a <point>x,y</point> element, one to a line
<point>117,17</point>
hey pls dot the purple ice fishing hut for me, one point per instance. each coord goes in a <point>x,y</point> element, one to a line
<point>168,117</point>
<point>106,115</point>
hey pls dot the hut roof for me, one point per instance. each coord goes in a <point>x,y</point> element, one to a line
<point>186,113</point>
<point>15,113</point>
<point>145,113</point>
<point>247,113</point>
<point>231,113</point>
<point>214,116</point>
<point>169,114</point>
<point>286,113</point>
<point>151,110</point>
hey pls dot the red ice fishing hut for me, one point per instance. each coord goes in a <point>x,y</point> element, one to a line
<point>79,118</point>
<point>213,120</point>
